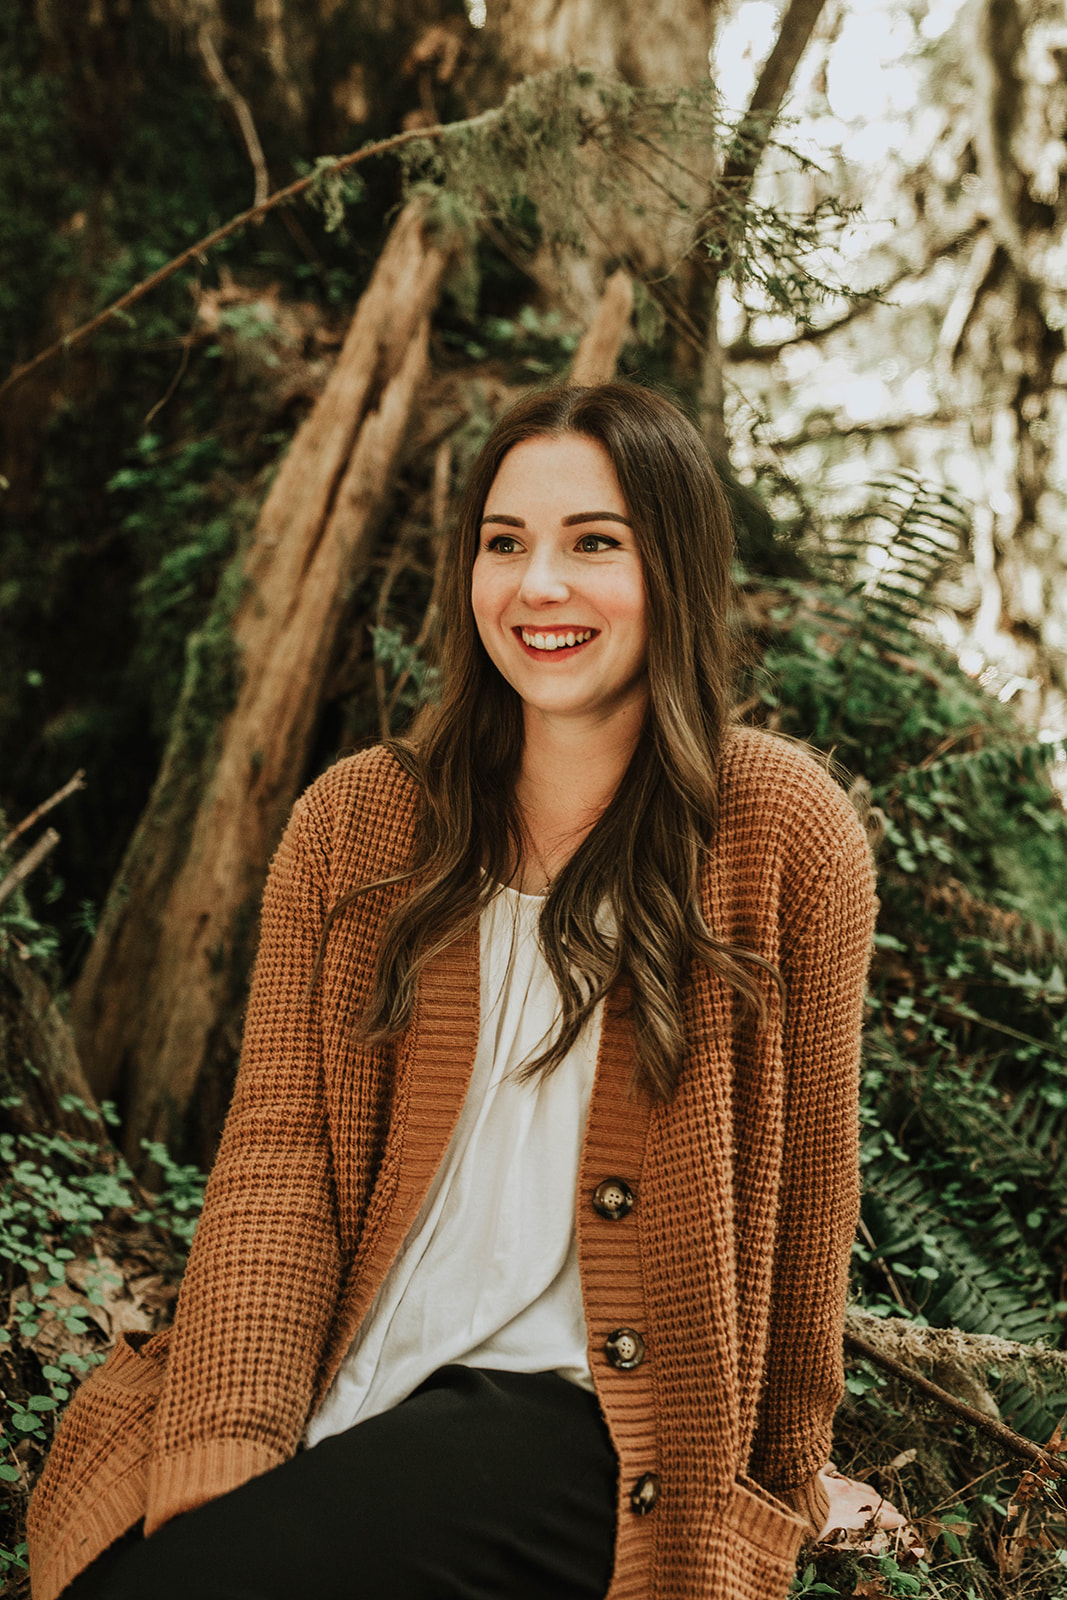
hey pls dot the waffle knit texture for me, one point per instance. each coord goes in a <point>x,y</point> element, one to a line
<point>732,1263</point>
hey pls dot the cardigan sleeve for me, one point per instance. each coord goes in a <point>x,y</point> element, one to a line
<point>264,1270</point>
<point>825,970</point>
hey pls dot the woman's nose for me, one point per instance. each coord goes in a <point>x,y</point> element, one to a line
<point>544,580</point>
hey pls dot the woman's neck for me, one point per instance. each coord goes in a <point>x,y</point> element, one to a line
<point>570,772</point>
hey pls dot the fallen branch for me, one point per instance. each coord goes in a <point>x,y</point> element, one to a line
<point>1007,1438</point>
<point>71,787</point>
<point>29,863</point>
<point>914,1342</point>
<point>235,224</point>
<point>598,354</point>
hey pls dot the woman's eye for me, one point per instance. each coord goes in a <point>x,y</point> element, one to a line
<point>590,543</point>
<point>502,544</point>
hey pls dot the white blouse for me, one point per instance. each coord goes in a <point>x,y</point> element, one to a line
<point>488,1275</point>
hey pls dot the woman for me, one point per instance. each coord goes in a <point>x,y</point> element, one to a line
<point>581,937</point>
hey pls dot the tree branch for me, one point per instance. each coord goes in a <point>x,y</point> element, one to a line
<point>224,84</point>
<point>735,180</point>
<point>235,224</point>
<point>828,428</point>
<point>745,350</point>
<point>30,861</point>
<point>69,788</point>
<point>796,27</point>
<point>1014,1442</point>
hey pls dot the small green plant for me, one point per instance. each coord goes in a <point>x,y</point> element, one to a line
<point>57,1191</point>
<point>807,1582</point>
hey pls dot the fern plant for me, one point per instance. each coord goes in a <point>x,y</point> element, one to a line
<point>965,1085</point>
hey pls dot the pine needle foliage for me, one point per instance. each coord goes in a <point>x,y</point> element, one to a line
<point>569,153</point>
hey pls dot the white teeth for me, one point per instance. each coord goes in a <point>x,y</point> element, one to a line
<point>555,641</point>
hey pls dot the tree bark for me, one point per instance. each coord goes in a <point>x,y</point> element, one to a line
<point>156,1004</point>
<point>38,1059</point>
<point>645,43</point>
<point>642,41</point>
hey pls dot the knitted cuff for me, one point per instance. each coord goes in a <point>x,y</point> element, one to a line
<point>810,1500</point>
<point>190,1477</point>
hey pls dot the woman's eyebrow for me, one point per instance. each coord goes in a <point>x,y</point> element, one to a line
<point>568,522</point>
<point>596,516</point>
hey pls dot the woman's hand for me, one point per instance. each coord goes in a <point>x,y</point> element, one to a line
<point>857,1508</point>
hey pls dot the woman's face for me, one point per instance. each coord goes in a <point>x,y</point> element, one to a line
<point>558,588</point>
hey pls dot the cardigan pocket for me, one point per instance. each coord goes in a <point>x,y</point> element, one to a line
<point>136,1363</point>
<point>755,1555</point>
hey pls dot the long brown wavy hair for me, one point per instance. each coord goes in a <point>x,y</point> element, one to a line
<point>643,856</point>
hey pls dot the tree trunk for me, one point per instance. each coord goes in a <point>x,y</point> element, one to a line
<point>38,1061</point>
<point>645,43</point>
<point>157,1001</point>
<point>698,357</point>
<point>642,41</point>
<point>1022,558</point>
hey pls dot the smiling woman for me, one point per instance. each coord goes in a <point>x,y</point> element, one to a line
<point>522,1266</point>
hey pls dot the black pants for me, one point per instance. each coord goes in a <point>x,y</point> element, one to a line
<point>482,1486</point>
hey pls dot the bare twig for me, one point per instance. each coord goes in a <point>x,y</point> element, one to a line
<point>235,224</point>
<point>229,91</point>
<point>69,788</point>
<point>977,278</point>
<point>30,861</point>
<point>881,1262</point>
<point>183,364</point>
<point>1023,1449</point>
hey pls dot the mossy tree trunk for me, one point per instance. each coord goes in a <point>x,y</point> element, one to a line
<point>158,999</point>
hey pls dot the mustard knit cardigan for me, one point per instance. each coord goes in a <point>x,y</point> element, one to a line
<point>732,1262</point>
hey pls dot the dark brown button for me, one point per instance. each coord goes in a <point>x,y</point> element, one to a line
<point>644,1494</point>
<point>625,1349</point>
<point>613,1199</point>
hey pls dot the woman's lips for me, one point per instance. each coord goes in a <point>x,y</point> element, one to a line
<point>544,642</point>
